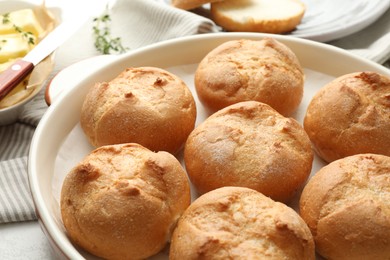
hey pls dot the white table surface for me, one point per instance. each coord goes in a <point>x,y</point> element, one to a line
<point>24,240</point>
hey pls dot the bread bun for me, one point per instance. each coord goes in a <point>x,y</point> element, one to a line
<point>145,105</point>
<point>122,201</point>
<point>347,207</point>
<point>350,115</point>
<point>240,223</point>
<point>240,70</point>
<point>275,16</point>
<point>190,4</point>
<point>249,144</point>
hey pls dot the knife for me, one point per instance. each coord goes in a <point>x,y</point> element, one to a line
<point>20,69</point>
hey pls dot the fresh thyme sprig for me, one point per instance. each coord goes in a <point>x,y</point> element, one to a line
<point>1,43</point>
<point>29,36</point>
<point>104,42</point>
<point>6,18</point>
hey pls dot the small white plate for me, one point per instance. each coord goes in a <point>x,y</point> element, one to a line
<point>59,142</point>
<point>328,20</point>
<point>333,19</point>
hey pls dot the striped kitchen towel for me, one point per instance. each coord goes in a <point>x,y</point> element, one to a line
<point>15,198</point>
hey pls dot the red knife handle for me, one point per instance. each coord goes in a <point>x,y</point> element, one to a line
<point>12,76</point>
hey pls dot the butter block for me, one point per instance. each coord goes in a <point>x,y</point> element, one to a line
<point>13,46</point>
<point>25,19</point>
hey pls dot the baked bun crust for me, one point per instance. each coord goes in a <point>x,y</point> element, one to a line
<point>190,4</point>
<point>240,223</point>
<point>249,144</point>
<point>347,207</point>
<point>145,105</point>
<point>276,16</point>
<point>122,201</point>
<point>240,70</point>
<point>350,115</point>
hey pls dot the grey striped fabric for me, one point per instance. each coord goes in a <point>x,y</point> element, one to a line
<point>15,198</point>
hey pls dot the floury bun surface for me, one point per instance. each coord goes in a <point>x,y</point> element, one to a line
<point>123,201</point>
<point>249,144</point>
<point>347,207</point>
<point>241,70</point>
<point>350,115</point>
<point>276,16</point>
<point>240,223</point>
<point>144,105</point>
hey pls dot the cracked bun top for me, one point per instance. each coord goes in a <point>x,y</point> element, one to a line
<point>144,105</point>
<point>346,205</point>
<point>242,70</point>
<point>123,201</point>
<point>238,223</point>
<point>249,144</point>
<point>350,115</point>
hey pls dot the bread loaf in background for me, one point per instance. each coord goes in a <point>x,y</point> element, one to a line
<point>144,105</point>
<point>240,223</point>
<point>249,144</point>
<point>123,201</point>
<point>266,16</point>
<point>240,70</point>
<point>350,115</point>
<point>190,4</point>
<point>347,208</point>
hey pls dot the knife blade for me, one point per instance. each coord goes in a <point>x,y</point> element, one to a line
<point>20,69</point>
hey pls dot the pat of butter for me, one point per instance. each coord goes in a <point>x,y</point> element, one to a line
<point>13,46</point>
<point>25,19</point>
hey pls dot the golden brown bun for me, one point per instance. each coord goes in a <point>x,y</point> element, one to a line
<point>145,105</point>
<point>350,115</point>
<point>242,70</point>
<point>240,223</point>
<point>249,144</point>
<point>122,201</point>
<point>267,16</point>
<point>190,4</point>
<point>347,207</point>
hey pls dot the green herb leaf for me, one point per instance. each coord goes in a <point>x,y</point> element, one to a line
<point>6,18</point>
<point>29,36</point>
<point>104,42</point>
